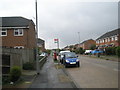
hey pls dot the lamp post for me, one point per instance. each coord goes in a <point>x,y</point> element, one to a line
<point>79,38</point>
<point>37,59</point>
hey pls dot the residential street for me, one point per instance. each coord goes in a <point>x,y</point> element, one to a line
<point>95,73</point>
<point>52,77</point>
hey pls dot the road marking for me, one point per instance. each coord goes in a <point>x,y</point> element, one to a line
<point>27,82</point>
<point>116,70</point>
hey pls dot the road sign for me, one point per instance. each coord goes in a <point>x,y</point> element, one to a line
<point>55,40</point>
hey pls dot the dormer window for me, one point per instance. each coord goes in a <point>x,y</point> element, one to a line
<point>18,32</point>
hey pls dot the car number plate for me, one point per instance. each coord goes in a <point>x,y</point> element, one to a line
<point>73,63</point>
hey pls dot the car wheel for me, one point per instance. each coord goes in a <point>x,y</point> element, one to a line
<point>78,65</point>
<point>61,61</point>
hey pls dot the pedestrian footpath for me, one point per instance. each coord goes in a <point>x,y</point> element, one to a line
<point>52,77</point>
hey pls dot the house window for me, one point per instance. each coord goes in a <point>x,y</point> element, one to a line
<point>113,38</point>
<point>103,40</point>
<point>3,32</point>
<point>18,32</point>
<point>116,38</point>
<point>106,40</point>
<point>99,41</point>
<point>19,47</point>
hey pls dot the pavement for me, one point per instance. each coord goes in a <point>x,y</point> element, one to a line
<point>52,75</point>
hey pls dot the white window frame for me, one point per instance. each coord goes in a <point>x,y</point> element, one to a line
<point>18,32</point>
<point>116,38</point>
<point>112,38</point>
<point>106,40</point>
<point>19,47</point>
<point>5,30</point>
<point>103,41</point>
<point>99,41</point>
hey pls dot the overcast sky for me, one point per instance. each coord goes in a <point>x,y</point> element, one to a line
<point>63,19</point>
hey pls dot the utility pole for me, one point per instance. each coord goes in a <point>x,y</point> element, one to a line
<point>37,59</point>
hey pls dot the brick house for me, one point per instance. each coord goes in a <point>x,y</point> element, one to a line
<point>87,44</point>
<point>18,32</point>
<point>41,44</point>
<point>109,39</point>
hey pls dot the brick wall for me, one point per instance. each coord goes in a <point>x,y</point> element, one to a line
<point>27,40</point>
<point>88,44</point>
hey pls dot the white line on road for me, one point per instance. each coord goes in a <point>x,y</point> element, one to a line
<point>116,70</point>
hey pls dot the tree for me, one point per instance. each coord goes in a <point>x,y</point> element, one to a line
<point>93,46</point>
<point>79,51</point>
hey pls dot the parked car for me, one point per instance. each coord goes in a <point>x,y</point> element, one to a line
<point>71,59</point>
<point>43,54</point>
<point>61,55</point>
<point>87,52</point>
<point>97,51</point>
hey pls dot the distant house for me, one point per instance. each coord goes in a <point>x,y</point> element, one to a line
<point>109,39</point>
<point>18,32</point>
<point>41,44</point>
<point>87,44</point>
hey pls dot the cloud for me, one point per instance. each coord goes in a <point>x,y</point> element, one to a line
<point>91,19</point>
<point>63,19</point>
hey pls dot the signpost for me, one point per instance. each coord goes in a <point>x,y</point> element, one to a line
<point>57,41</point>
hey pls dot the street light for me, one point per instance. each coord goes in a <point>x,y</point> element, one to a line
<point>79,38</point>
<point>37,59</point>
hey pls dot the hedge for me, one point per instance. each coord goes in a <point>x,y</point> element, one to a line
<point>118,51</point>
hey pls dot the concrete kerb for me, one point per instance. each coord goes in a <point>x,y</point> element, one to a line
<point>26,75</point>
<point>73,82</point>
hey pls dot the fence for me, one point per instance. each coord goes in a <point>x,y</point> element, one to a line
<point>16,57</point>
<point>42,61</point>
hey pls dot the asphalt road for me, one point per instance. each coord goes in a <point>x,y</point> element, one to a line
<point>52,76</point>
<point>95,73</point>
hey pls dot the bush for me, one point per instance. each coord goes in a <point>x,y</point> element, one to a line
<point>79,51</point>
<point>28,66</point>
<point>15,73</point>
<point>118,51</point>
<point>5,80</point>
<point>110,51</point>
<point>92,47</point>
